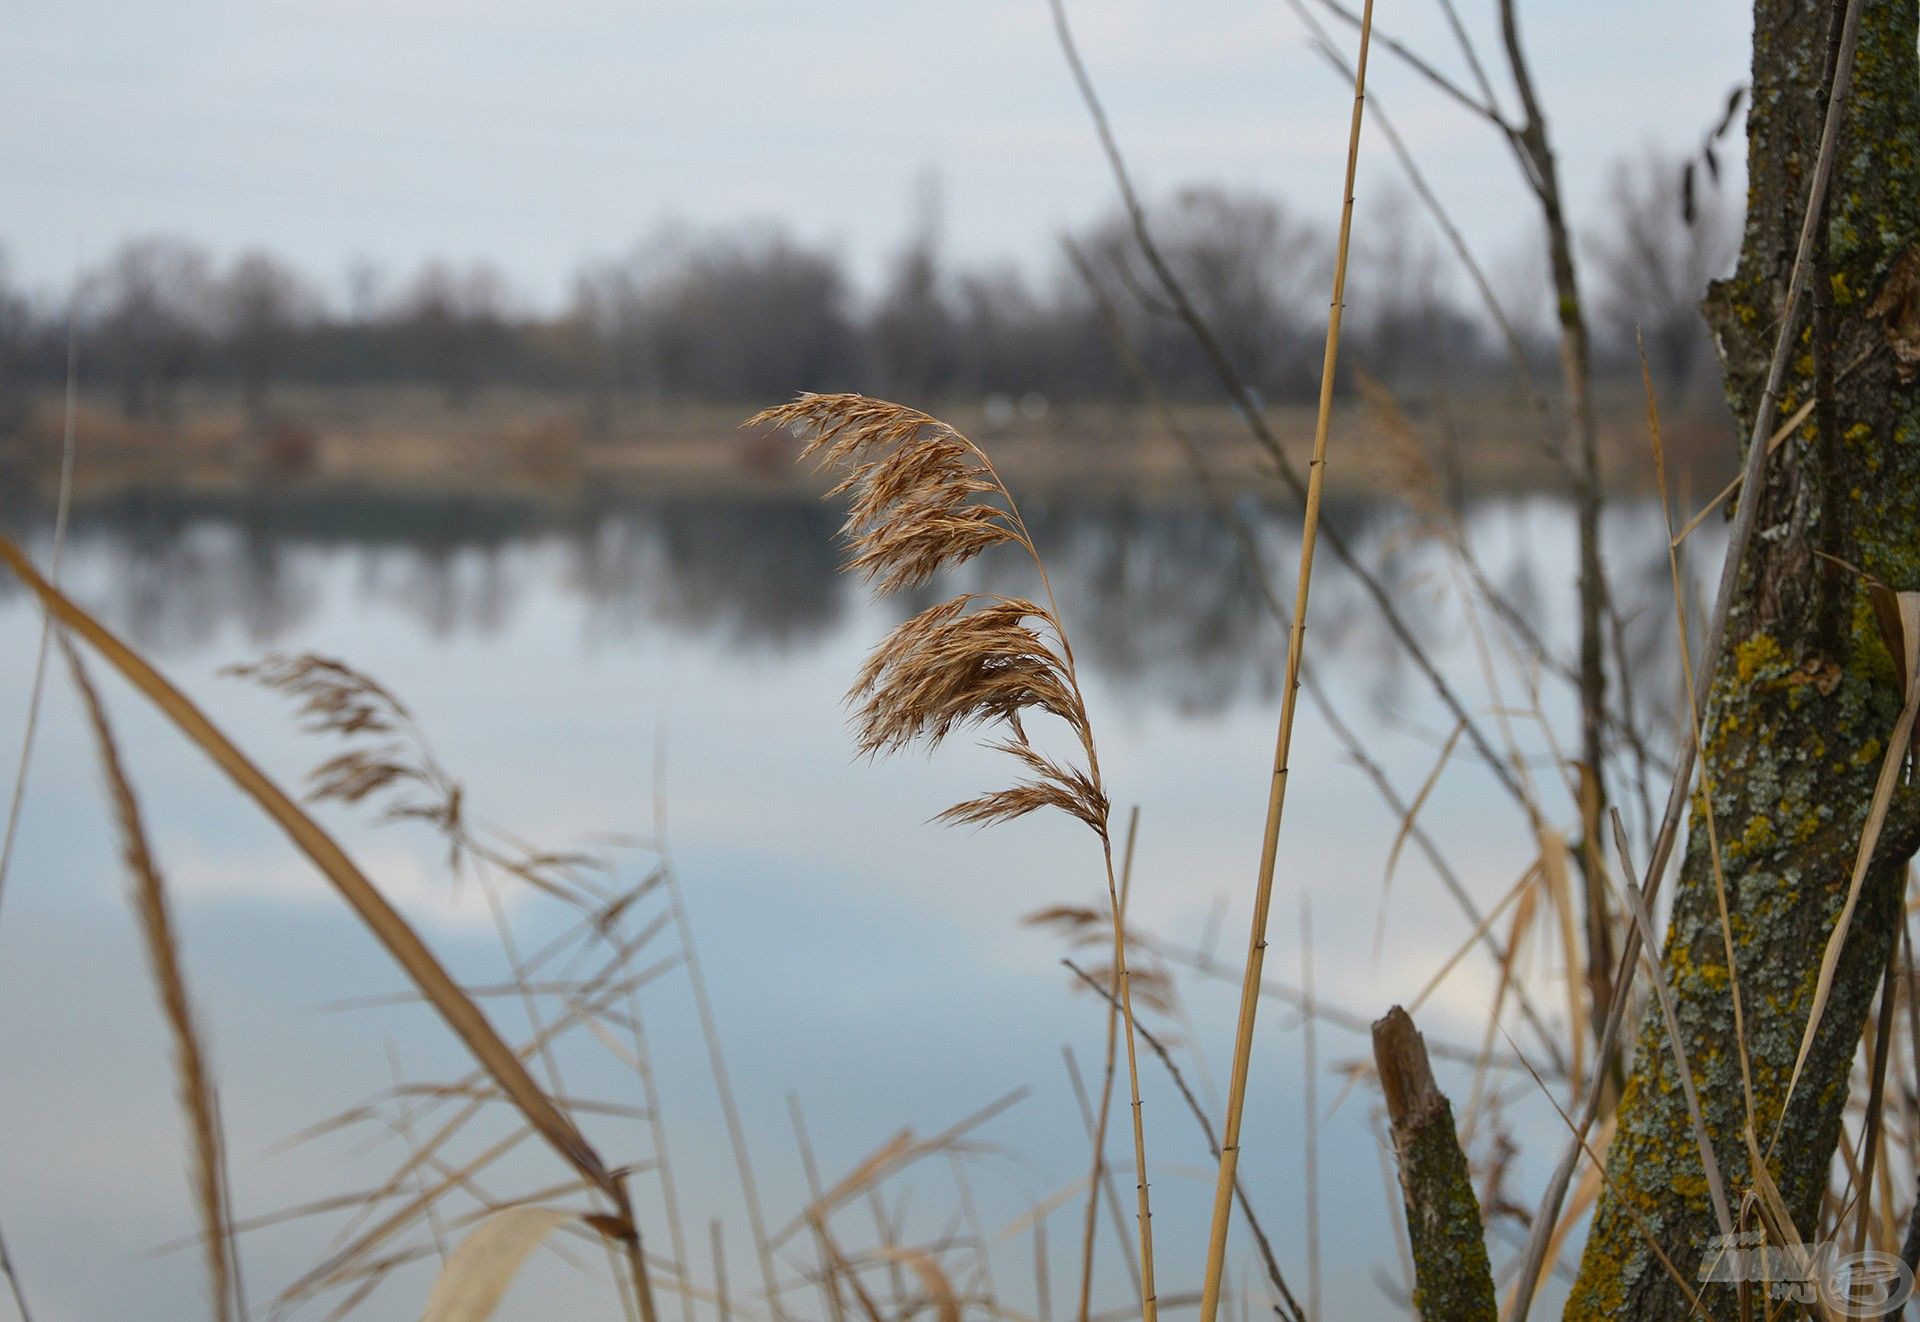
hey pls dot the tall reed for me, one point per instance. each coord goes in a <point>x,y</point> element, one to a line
<point>923,498</point>
<point>1289,693</point>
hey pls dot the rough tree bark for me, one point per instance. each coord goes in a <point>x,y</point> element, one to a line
<point>1804,692</point>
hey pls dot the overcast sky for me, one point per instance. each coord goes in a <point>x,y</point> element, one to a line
<point>537,135</point>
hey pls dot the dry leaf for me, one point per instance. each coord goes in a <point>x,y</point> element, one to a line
<point>483,1265</point>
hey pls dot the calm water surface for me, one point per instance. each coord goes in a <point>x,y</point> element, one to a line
<point>577,663</point>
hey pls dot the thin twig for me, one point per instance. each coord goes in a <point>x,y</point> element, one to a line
<point>1485,109</point>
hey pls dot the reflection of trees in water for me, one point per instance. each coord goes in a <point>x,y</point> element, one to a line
<point>1163,601</point>
<point>173,579</point>
<point>1163,604</point>
<point>754,574</point>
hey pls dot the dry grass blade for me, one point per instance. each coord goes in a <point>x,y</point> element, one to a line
<point>1881,1043</point>
<point>341,1265</point>
<point>155,914</point>
<point>1899,746</point>
<point>1709,1163</point>
<point>900,1151</point>
<point>484,1264</point>
<point>1559,887</point>
<point>1409,822</point>
<point>946,1304</point>
<point>393,931</point>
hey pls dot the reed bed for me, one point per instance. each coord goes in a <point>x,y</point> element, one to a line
<point>922,499</point>
<point>517,1157</point>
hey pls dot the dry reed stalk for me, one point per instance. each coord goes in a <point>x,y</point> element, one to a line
<point>1098,1134</point>
<point>459,1011</point>
<point>1353,745</point>
<point>1277,792</point>
<point>1100,1185</point>
<point>922,498</point>
<point>1282,1293</point>
<point>155,913</point>
<point>723,1308</point>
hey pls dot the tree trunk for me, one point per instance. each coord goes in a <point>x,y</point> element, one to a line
<point>1804,691</point>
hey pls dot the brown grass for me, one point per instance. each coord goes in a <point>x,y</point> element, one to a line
<point>207,1170</point>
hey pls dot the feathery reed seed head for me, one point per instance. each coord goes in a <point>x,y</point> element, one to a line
<point>916,488</point>
<point>922,498</point>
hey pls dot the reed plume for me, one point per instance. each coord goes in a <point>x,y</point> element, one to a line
<point>921,498</point>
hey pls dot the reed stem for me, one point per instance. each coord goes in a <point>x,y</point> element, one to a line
<point>1277,791</point>
<point>1149,1303</point>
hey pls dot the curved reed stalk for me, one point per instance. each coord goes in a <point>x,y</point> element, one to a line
<point>461,1014</point>
<point>922,498</point>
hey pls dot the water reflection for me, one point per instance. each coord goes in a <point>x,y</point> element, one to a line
<point>1160,595</point>
<point>910,957</point>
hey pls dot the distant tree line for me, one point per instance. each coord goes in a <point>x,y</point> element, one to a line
<point>752,313</point>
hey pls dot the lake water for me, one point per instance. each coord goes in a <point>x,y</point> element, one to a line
<point>576,662</point>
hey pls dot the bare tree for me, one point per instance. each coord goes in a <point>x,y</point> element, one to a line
<point>152,321</point>
<point>454,323</point>
<point>261,306</point>
<point>1251,269</point>
<point>754,314</point>
<point>911,333</point>
<point>17,333</point>
<point>1655,262</point>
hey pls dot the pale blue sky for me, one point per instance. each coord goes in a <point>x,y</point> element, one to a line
<point>537,135</point>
